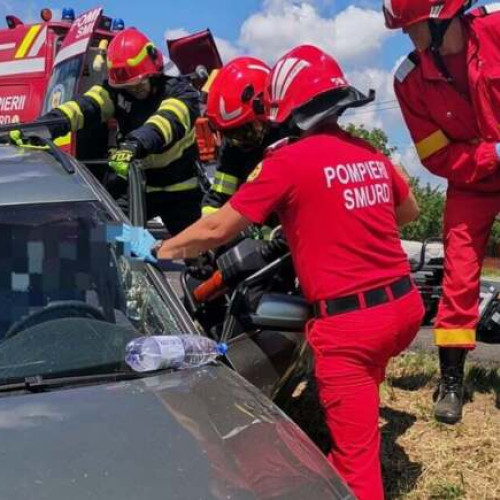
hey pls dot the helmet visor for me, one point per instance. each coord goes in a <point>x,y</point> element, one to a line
<point>248,135</point>
<point>125,77</point>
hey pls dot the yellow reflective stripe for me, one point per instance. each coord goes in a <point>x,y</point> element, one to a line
<point>210,81</point>
<point>432,144</point>
<point>72,110</point>
<point>219,188</point>
<point>101,96</point>
<point>458,337</point>
<point>225,183</point>
<point>64,140</point>
<point>179,109</point>
<point>28,40</point>
<point>208,210</point>
<point>134,61</point>
<point>174,153</point>
<point>226,178</point>
<point>164,127</point>
<point>174,188</point>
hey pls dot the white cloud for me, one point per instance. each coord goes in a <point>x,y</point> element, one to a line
<point>173,34</point>
<point>227,49</point>
<point>353,34</point>
<point>384,112</point>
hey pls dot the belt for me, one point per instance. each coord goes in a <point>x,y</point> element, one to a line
<point>362,300</point>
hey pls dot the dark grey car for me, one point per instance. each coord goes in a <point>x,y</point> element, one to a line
<point>75,422</point>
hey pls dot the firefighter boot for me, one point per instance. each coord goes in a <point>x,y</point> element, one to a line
<point>450,395</point>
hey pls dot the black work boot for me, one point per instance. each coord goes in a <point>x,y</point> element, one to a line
<point>450,396</point>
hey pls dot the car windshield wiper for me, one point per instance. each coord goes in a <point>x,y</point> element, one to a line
<point>40,383</point>
<point>40,140</point>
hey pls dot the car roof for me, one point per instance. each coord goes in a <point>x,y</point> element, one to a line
<point>30,176</point>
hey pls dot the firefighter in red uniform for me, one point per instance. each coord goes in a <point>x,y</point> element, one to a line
<point>155,115</point>
<point>236,110</point>
<point>340,202</point>
<point>449,93</point>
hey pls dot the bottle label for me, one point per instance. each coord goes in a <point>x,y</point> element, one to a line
<point>172,351</point>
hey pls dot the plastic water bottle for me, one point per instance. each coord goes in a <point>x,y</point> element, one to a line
<point>147,354</point>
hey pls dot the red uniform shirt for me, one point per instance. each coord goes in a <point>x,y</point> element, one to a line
<point>335,196</point>
<point>456,134</point>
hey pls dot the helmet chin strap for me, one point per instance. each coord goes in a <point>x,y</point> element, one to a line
<point>438,31</point>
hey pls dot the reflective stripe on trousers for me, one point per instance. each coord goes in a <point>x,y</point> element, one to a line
<point>192,183</point>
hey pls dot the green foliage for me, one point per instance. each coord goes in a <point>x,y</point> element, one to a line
<point>495,233</point>
<point>430,223</point>
<point>376,137</point>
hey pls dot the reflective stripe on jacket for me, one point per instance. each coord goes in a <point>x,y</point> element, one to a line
<point>162,126</point>
<point>455,135</point>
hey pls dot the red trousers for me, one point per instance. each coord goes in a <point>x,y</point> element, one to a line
<point>351,354</point>
<point>467,225</point>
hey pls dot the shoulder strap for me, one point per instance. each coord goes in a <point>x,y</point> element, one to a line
<point>485,10</point>
<point>406,67</point>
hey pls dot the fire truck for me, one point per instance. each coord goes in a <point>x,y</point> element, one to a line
<point>47,63</point>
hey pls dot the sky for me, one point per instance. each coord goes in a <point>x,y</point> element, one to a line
<point>351,31</point>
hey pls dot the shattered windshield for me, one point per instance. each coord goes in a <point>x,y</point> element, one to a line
<point>70,300</point>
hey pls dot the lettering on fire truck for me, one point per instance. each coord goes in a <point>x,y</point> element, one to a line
<point>85,23</point>
<point>351,174</point>
<point>7,119</point>
<point>12,102</point>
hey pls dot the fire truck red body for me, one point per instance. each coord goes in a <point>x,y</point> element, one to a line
<point>45,64</point>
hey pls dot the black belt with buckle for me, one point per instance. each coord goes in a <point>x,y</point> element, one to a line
<point>374,297</point>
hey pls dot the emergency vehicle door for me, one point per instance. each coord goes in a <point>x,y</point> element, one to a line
<point>192,51</point>
<point>69,69</point>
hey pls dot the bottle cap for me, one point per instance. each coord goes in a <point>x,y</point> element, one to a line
<point>222,348</point>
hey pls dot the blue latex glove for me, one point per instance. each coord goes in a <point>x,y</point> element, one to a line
<point>140,242</point>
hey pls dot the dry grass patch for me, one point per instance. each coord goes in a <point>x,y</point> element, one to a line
<point>421,458</point>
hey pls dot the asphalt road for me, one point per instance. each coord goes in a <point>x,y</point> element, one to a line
<point>483,353</point>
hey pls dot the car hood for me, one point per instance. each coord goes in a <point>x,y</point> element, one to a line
<point>195,434</point>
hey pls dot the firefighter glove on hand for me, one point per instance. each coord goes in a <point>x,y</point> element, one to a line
<point>139,241</point>
<point>121,158</point>
<point>17,138</point>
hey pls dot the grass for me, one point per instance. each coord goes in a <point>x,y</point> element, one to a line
<point>490,272</point>
<point>491,268</point>
<point>421,458</point>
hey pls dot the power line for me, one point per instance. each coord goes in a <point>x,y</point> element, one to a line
<point>371,110</point>
<point>379,103</point>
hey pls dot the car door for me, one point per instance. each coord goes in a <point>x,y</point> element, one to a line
<point>268,345</point>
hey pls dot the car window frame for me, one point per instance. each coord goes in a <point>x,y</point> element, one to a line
<point>163,287</point>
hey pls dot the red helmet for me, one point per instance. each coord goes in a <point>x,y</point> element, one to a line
<point>307,85</point>
<point>234,96</point>
<point>403,13</point>
<point>131,58</point>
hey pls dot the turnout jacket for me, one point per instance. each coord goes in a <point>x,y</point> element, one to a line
<point>235,165</point>
<point>455,135</point>
<point>161,127</point>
